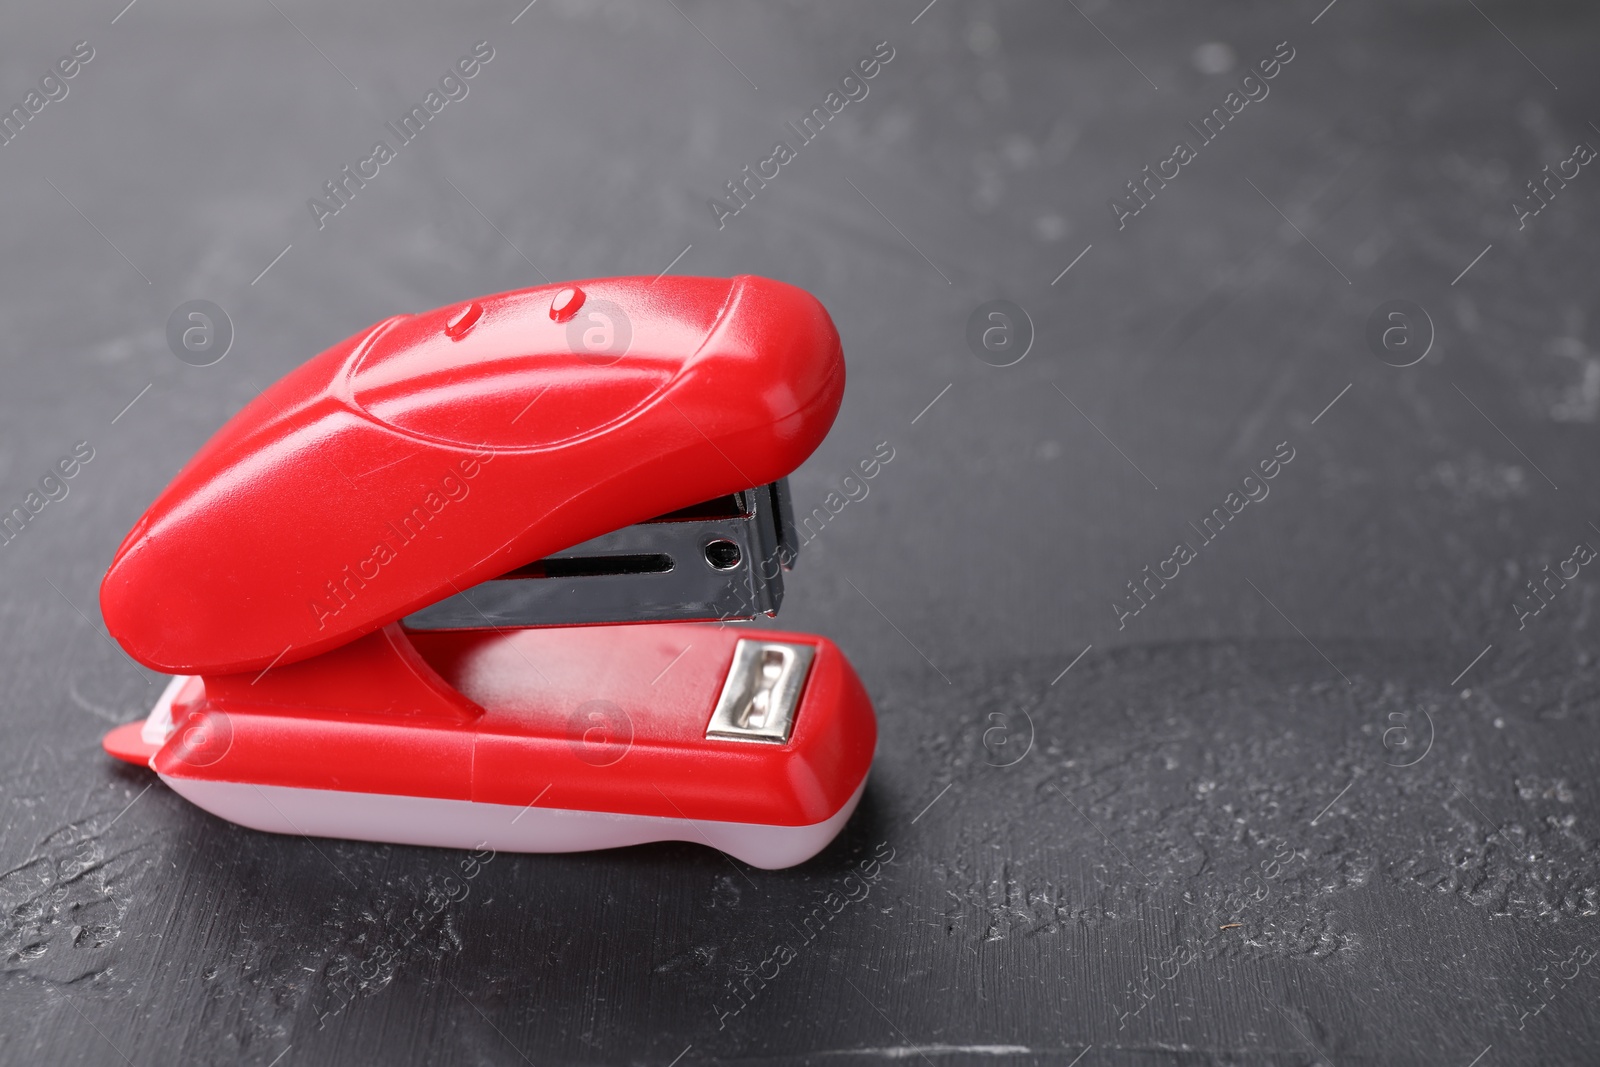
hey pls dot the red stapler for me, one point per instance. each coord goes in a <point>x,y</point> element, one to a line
<point>448,583</point>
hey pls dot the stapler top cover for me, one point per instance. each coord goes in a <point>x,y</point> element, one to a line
<point>434,451</point>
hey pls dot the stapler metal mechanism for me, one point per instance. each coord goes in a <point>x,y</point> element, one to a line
<point>464,579</point>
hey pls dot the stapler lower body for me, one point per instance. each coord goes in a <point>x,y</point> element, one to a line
<point>531,740</point>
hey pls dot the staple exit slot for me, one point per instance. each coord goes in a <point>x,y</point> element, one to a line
<point>594,566</point>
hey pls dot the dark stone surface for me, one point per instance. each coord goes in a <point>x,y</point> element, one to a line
<point>1222,837</point>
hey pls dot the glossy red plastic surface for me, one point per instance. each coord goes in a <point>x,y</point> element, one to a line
<point>126,743</point>
<point>434,451</point>
<point>608,718</point>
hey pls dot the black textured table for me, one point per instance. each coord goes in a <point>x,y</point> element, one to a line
<point>1220,722</point>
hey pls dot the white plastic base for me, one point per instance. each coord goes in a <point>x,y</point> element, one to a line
<point>407,820</point>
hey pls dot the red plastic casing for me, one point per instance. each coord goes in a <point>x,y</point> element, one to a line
<point>406,464</point>
<point>434,451</point>
<point>575,717</point>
